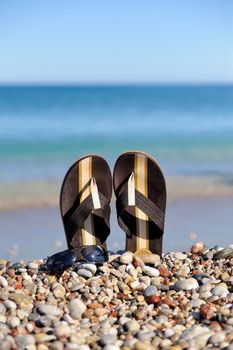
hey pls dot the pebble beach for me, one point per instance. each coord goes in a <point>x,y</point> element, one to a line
<point>182,300</point>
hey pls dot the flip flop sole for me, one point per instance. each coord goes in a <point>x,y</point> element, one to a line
<point>75,190</point>
<point>149,181</point>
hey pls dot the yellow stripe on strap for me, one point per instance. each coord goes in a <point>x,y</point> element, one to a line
<point>85,175</point>
<point>141,178</point>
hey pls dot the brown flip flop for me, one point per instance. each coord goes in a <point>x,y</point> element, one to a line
<point>85,202</point>
<point>140,191</point>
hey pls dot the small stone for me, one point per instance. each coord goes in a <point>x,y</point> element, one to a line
<point>126,258</point>
<point>197,247</point>
<point>132,326</point>
<point>13,322</point>
<point>197,302</point>
<point>218,337</point>
<point>84,273</point>
<point>150,271</point>
<point>145,335</point>
<point>108,339</point>
<point>207,311</point>
<point>3,282</point>
<point>220,291</point>
<point>169,332</point>
<point>2,309</point>
<point>23,341</point>
<point>10,305</point>
<point>135,284</point>
<point>186,284</point>
<point>111,347</point>
<point>77,286</point>
<point>2,318</point>
<point>223,254</point>
<point>183,271</point>
<point>62,330</point>
<point>33,266</point>
<point>49,310</point>
<point>89,267</point>
<point>150,290</point>
<point>150,259</point>
<point>58,290</point>
<point>76,308</point>
<point>153,299</point>
<point>140,298</point>
<point>180,256</point>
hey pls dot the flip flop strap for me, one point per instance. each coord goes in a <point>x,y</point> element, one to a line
<point>76,216</point>
<point>143,203</point>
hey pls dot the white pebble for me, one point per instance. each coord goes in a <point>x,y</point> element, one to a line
<point>10,305</point>
<point>186,284</point>
<point>150,271</point>
<point>3,282</point>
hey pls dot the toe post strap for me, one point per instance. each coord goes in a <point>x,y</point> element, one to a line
<point>132,197</point>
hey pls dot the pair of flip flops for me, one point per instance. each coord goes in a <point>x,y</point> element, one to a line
<point>140,191</point>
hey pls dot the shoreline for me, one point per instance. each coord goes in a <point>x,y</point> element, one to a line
<point>38,232</point>
<point>41,193</point>
<point>180,301</point>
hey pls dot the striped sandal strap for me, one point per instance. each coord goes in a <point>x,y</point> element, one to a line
<point>124,202</point>
<point>79,212</point>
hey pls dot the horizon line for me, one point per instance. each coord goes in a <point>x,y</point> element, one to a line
<point>112,84</point>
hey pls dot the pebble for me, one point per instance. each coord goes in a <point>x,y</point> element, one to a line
<point>223,254</point>
<point>186,284</point>
<point>49,310</point>
<point>217,338</point>
<point>84,273</point>
<point>150,259</point>
<point>89,267</point>
<point>58,290</point>
<point>150,290</point>
<point>76,308</point>
<point>220,291</point>
<point>197,247</point>
<point>108,339</point>
<point>10,305</point>
<point>126,258</point>
<point>3,282</point>
<point>150,271</point>
<point>132,325</point>
<point>180,256</point>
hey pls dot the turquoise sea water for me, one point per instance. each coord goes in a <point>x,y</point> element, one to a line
<point>188,129</point>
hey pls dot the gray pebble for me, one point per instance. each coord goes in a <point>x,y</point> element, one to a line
<point>150,290</point>
<point>108,339</point>
<point>217,337</point>
<point>89,267</point>
<point>24,340</point>
<point>186,284</point>
<point>84,273</point>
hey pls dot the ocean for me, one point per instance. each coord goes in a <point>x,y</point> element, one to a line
<point>43,130</point>
<point>189,129</point>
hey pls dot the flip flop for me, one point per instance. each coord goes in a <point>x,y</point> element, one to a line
<point>84,202</point>
<point>140,190</point>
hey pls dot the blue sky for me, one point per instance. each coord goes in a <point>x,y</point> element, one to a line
<point>116,41</point>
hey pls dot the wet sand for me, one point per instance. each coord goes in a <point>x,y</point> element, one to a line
<point>38,232</point>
